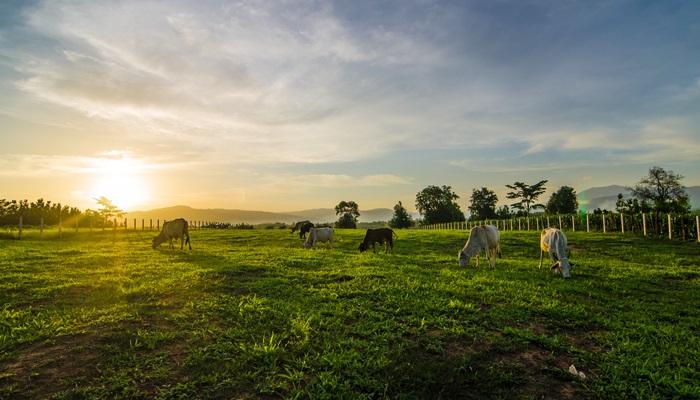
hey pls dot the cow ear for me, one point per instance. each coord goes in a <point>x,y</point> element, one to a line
<point>572,264</point>
<point>554,266</point>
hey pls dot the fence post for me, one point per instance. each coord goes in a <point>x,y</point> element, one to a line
<point>644,223</point>
<point>41,228</point>
<point>126,224</point>
<point>697,227</point>
<point>573,223</point>
<point>604,227</point>
<point>560,225</point>
<point>670,230</point>
<point>20,227</point>
<point>588,223</point>
<point>622,222</point>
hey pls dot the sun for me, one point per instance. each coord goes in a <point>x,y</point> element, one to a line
<point>123,181</point>
<point>125,191</point>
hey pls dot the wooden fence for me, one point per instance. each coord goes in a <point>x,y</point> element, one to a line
<point>685,227</point>
<point>102,225</point>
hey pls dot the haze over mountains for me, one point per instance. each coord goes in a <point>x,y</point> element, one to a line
<point>589,199</point>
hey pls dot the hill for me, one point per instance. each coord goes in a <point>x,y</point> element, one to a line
<point>255,217</point>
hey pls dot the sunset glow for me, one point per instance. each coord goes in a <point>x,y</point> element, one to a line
<point>303,104</point>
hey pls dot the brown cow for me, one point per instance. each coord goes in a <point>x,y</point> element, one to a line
<point>176,228</point>
<point>382,236</point>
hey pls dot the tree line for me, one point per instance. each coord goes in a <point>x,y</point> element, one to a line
<point>659,192</point>
<point>42,211</point>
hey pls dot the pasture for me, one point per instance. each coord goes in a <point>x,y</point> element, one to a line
<point>251,314</point>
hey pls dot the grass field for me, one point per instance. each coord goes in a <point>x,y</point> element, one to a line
<point>250,314</point>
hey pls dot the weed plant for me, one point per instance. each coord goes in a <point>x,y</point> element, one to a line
<point>251,314</point>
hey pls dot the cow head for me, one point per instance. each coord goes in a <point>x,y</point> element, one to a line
<point>363,247</point>
<point>463,259</point>
<point>158,240</point>
<point>562,266</point>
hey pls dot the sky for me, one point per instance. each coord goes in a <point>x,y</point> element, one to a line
<point>292,105</point>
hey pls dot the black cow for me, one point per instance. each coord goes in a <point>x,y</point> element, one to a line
<point>382,236</point>
<point>303,227</point>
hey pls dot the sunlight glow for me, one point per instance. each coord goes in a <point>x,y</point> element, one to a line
<point>122,181</point>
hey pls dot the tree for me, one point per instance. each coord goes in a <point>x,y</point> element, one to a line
<point>504,213</point>
<point>437,205</point>
<point>527,194</point>
<point>483,204</point>
<point>108,210</point>
<point>631,206</point>
<point>662,189</point>
<point>348,211</point>
<point>563,201</point>
<point>401,218</point>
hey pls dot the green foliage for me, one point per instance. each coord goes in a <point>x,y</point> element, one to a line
<point>349,213</point>
<point>32,213</point>
<point>438,205</point>
<point>662,189</point>
<point>631,206</point>
<point>251,314</point>
<point>563,201</point>
<point>528,195</point>
<point>483,204</point>
<point>401,218</point>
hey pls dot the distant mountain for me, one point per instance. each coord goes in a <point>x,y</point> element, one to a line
<point>318,215</point>
<point>606,197</point>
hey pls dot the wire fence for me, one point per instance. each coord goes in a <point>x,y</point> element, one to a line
<point>675,226</point>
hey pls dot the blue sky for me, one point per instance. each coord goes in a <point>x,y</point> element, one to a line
<point>291,105</point>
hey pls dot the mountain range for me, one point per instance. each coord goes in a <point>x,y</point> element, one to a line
<point>589,200</point>
<point>257,217</point>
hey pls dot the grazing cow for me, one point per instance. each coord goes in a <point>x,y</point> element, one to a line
<point>481,238</point>
<point>303,227</point>
<point>319,235</point>
<point>553,241</point>
<point>383,236</point>
<point>176,228</point>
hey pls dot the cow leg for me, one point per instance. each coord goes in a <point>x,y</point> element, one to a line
<point>541,256</point>
<point>477,260</point>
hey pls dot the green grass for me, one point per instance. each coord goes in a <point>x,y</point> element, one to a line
<point>250,314</point>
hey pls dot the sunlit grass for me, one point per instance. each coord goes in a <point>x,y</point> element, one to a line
<point>251,314</point>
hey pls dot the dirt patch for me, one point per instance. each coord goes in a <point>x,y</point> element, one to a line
<point>43,369</point>
<point>576,249</point>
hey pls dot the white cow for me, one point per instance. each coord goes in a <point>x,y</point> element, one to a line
<point>481,238</point>
<point>319,235</point>
<point>553,241</point>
